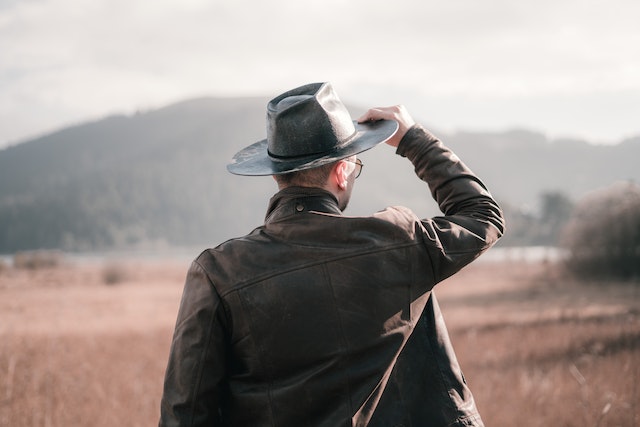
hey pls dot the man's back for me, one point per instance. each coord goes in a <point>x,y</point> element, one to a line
<point>320,319</point>
<point>317,307</point>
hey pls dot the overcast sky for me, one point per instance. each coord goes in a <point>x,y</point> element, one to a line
<point>566,68</point>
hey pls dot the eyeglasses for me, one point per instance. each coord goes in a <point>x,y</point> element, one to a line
<point>359,163</point>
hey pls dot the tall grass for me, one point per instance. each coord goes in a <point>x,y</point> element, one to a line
<point>536,351</point>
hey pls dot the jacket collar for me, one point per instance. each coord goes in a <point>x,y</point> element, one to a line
<point>296,200</point>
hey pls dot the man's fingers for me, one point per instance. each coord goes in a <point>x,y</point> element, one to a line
<point>371,115</point>
<point>374,114</point>
<point>396,112</point>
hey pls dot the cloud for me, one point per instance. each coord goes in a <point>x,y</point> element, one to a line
<point>64,60</point>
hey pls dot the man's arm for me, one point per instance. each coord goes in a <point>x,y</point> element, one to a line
<point>472,220</point>
<point>197,366</point>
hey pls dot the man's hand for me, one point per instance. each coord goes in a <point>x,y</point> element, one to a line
<point>397,113</point>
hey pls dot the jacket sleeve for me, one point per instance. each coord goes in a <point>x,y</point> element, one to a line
<point>196,370</point>
<point>472,220</point>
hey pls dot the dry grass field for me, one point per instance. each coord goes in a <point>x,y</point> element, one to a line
<point>85,344</point>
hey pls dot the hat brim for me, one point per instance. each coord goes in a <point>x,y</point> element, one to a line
<point>254,160</point>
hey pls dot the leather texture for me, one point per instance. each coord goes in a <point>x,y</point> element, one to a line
<point>320,319</point>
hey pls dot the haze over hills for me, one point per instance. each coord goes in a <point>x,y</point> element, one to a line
<point>158,179</point>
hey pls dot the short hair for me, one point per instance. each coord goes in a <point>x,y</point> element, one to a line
<point>314,177</point>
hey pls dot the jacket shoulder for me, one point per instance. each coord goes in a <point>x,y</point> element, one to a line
<point>401,217</point>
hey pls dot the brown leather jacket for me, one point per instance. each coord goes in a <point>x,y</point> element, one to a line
<point>319,319</point>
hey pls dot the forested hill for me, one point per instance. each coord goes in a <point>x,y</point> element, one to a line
<point>150,179</point>
<point>158,179</point>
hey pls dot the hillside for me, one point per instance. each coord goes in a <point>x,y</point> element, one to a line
<point>154,179</point>
<point>158,179</point>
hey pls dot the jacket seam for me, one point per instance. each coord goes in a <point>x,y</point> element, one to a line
<point>263,277</point>
<point>205,353</point>
<point>478,250</point>
<point>443,382</point>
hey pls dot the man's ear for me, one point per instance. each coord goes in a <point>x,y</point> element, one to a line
<point>341,173</point>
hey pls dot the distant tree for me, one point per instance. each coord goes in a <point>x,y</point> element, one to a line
<point>603,234</point>
<point>521,225</point>
<point>555,212</point>
<point>537,227</point>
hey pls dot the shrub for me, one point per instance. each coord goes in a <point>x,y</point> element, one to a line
<point>113,273</point>
<point>33,260</point>
<point>603,234</point>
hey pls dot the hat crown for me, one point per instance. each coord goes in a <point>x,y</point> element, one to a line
<point>307,121</point>
<point>308,127</point>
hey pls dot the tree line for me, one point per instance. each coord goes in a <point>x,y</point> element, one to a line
<point>600,232</point>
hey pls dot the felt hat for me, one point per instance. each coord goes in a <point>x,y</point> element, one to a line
<point>308,127</point>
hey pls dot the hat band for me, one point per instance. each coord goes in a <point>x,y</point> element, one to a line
<point>314,155</point>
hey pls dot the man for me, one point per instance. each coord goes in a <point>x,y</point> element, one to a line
<point>319,319</point>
